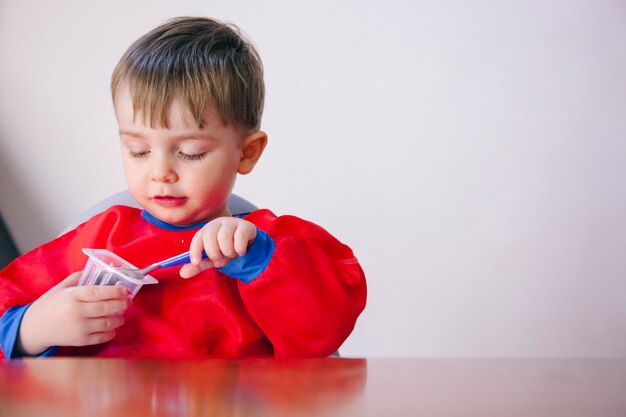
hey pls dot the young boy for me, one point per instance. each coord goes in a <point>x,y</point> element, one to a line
<point>188,98</point>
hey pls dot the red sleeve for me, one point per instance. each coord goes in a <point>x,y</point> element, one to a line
<point>308,298</point>
<point>32,274</point>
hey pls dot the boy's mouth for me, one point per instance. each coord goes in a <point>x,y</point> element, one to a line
<point>169,201</point>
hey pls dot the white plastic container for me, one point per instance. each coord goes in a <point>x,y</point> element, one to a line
<point>101,269</point>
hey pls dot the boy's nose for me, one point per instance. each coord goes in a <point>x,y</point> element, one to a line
<point>163,171</point>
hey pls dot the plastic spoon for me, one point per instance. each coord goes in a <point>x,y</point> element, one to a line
<point>181,259</point>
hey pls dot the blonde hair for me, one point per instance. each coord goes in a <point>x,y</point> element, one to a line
<point>200,61</point>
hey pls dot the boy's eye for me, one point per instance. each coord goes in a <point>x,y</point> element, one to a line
<point>191,157</point>
<point>139,154</point>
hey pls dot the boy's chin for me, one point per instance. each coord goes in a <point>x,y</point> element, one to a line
<point>180,218</point>
<point>172,216</point>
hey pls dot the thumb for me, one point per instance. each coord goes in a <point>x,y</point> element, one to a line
<point>70,281</point>
<point>190,270</point>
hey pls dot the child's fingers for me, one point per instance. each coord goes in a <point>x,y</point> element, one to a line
<point>92,293</point>
<point>225,237</point>
<point>96,338</point>
<point>196,247</point>
<point>105,308</point>
<point>243,236</point>
<point>190,270</point>
<point>104,324</point>
<point>209,240</point>
<point>222,240</point>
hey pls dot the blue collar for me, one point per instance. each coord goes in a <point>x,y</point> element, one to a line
<point>163,225</point>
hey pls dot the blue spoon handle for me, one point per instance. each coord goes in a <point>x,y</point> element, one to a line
<point>181,259</point>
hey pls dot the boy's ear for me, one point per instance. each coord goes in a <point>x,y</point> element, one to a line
<point>251,150</point>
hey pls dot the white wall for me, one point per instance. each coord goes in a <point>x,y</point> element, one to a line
<point>472,153</point>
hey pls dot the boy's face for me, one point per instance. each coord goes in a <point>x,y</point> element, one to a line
<point>182,174</point>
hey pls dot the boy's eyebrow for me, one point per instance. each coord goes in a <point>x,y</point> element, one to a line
<point>129,133</point>
<point>193,136</point>
<point>176,137</point>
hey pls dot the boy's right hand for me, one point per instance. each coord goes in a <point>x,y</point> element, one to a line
<point>68,315</point>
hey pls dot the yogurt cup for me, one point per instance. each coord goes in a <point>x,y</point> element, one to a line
<point>102,269</point>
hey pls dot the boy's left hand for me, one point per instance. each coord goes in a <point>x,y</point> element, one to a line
<point>223,239</point>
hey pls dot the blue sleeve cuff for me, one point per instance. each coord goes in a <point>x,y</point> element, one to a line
<point>9,330</point>
<point>248,267</point>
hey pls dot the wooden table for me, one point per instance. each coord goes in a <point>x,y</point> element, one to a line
<point>320,387</point>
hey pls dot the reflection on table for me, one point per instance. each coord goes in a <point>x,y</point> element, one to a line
<point>111,387</point>
<point>319,387</point>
